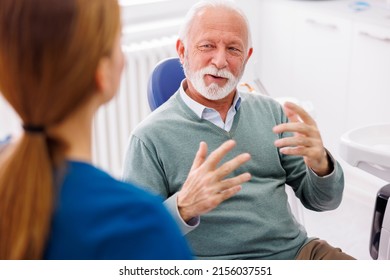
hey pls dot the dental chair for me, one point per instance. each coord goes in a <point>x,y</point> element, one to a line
<point>380,232</point>
<point>164,81</point>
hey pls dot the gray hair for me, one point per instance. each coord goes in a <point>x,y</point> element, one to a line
<point>201,5</point>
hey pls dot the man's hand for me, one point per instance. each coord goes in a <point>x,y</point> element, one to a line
<point>306,141</point>
<point>205,187</point>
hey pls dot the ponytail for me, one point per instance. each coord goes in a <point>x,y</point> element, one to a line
<point>26,197</point>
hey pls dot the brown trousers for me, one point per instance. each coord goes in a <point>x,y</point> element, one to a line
<point>318,249</point>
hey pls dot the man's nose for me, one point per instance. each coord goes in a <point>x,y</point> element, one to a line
<point>220,59</point>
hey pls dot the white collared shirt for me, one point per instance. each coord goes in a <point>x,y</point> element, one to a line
<point>211,114</point>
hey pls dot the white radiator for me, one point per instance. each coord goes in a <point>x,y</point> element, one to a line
<point>115,121</point>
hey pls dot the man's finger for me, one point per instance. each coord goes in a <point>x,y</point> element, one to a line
<point>293,142</point>
<point>291,108</point>
<point>200,156</point>
<point>231,165</point>
<point>294,151</point>
<point>235,181</point>
<point>296,127</point>
<point>217,155</point>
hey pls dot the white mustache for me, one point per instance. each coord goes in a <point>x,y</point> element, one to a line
<point>221,73</point>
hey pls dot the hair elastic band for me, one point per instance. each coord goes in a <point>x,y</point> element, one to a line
<point>33,128</point>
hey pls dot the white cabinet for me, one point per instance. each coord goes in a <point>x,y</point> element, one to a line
<point>320,70</point>
<point>369,82</point>
<point>276,38</point>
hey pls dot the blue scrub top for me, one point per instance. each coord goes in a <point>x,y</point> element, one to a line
<point>99,217</point>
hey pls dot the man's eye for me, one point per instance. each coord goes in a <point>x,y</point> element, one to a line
<point>206,46</point>
<point>234,49</point>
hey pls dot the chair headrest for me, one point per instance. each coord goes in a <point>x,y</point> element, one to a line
<point>164,81</point>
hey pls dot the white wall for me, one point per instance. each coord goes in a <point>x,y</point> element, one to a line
<point>9,121</point>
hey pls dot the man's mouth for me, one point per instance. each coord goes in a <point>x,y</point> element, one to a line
<point>215,77</point>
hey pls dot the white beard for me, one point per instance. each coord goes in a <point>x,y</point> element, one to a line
<point>212,91</point>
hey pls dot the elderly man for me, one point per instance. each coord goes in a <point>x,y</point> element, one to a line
<point>252,221</point>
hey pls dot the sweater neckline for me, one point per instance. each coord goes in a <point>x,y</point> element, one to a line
<point>186,110</point>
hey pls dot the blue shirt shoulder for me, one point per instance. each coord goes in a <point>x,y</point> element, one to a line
<point>99,217</point>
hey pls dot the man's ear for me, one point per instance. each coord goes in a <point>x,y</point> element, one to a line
<point>180,50</point>
<point>250,51</point>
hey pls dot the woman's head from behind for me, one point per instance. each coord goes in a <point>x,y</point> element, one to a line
<point>50,51</point>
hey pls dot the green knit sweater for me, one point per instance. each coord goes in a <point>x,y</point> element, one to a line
<point>256,223</point>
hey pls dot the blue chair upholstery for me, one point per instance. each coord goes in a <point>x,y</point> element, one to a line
<point>4,142</point>
<point>164,81</point>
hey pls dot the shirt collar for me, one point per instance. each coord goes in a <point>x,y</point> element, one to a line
<point>199,108</point>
